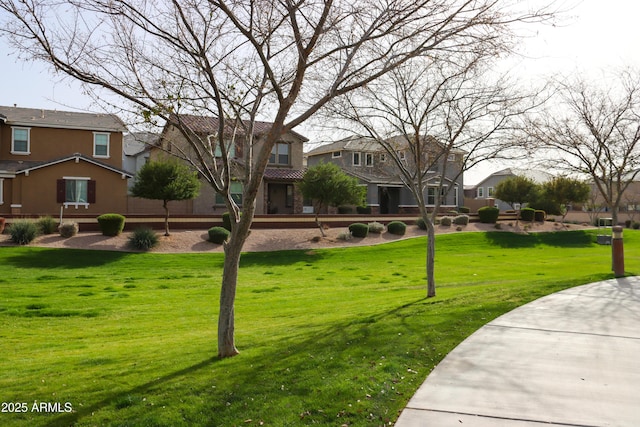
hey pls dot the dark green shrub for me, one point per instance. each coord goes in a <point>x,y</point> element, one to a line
<point>376,227</point>
<point>68,229</point>
<point>636,225</point>
<point>23,231</point>
<point>445,221</point>
<point>364,210</point>
<point>143,238</point>
<point>218,235</point>
<point>461,220</point>
<point>422,225</point>
<point>488,214</point>
<point>527,214</point>
<point>464,209</point>
<point>47,225</point>
<point>539,215</point>
<point>627,223</point>
<point>345,210</point>
<point>359,230</point>
<point>453,212</point>
<point>111,224</point>
<point>226,221</point>
<point>397,227</point>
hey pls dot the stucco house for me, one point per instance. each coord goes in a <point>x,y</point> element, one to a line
<point>278,193</point>
<point>368,161</point>
<point>53,159</point>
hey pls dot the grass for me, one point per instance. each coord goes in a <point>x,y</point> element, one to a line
<point>327,337</point>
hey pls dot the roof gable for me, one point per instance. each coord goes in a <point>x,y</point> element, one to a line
<point>26,167</point>
<point>34,117</point>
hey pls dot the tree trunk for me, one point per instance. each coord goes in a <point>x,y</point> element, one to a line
<point>166,218</point>
<point>319,224</point>
<point>431,258</point>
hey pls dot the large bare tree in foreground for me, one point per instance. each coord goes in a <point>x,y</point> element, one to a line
<point>240,61</point>
<point>436,118</point>
<point>593,130</point>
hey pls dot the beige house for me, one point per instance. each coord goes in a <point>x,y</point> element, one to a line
<point>52,160</point>
<point>278,193</point>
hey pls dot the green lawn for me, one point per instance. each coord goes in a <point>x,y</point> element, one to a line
<point>328,337</point>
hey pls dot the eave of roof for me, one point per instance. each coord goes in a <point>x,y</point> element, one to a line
<point>75,157</point>
<point>35,117</point>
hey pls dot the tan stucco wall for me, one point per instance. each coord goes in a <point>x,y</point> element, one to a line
<point>48,144</point>
<point>39,189</point>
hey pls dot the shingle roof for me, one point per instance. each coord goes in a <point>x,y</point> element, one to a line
<point>209,124</point>
<point>284,174</point>
<point>61,119</point>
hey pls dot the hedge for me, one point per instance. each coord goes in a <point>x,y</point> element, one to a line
<point>488,214</point>
<point>358,229</point>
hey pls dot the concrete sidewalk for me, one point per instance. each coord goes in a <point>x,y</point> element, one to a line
<point>568,359</point>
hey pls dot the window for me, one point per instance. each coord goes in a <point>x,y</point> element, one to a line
<point>490,191</point>
<point>451,158</point>
<point>356,159</point>
<point>401,155</point>
<point>336,154</point>
<point>368,159</point>
<point>76,191</point>
<point>289,201</point>
<point>480,192</point>
<point>20,141</point>
<point>431,195</point>
<point>231,150</point>
<point>236,194</point>
<point>100,145</point>
<point>383,157</point>
<point>279,154</point>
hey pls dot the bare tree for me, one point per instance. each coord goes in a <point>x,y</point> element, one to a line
<point>436,118</point>
<point>241,61</point>
<point>593,130</point>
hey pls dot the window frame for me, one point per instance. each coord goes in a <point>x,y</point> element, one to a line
<point>276,154</point>
<point>62,191</point>
<point>368,160</point>
<point>95,145</point>
<point>358,155</point>
<point>236,189</point>
<point>13,141</point>
<point>336,154</point>
<point>480,193</point>
<point>490,191</point>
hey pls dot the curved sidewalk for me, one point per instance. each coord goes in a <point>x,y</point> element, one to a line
<point>568,359</point>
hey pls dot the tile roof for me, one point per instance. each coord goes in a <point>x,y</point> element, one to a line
<point>17,167</point>
<point>284,174</point>
<point>61,119</point>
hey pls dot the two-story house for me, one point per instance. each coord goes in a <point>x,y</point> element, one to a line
<point>278,193</point>
<point>368,161</point>
<point>58,159</point>
<point>477,196</point>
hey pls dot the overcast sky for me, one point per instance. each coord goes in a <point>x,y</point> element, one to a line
<point>599,35</point>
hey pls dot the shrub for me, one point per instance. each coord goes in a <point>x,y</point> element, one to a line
<point>397,227</point>
<point>111,224</point>
<point>488,214</point>
<point>464,209</point>
<point>344,210</point>
<point>420,222</point>
<point>376,227</point>
<point>218,235</point>
<point>359,230</point>
<point>345,236</point>
<point>364,210</point>
<point>143,238</point>
<point>68,229</point>
<point>445,221</point>
<point>539,215</point>
<point>498,226</point>
<point>527,214</point>
<point>461,220</point>
<point>453,212</point>
<point>636,225</point>
<point>627,223</point>
<point>23,231</point>
<point>47,225</point>
<point>226,221</point>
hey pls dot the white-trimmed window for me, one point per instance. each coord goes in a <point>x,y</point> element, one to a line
<point>368,159</point>
<point>279,154</point>
<point>431,195</point>
<point>356,159</point>
<point>101,145</point>
<point>20,140</point>
<point>336,154</point>
<point>490,191</point>
<point>480,192</point>
<point>76,191</point>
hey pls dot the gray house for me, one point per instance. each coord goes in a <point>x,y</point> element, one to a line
<point>368,161</point>
<point>478,194</point>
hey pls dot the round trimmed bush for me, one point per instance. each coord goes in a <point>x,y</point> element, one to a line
<point>359,229</point>
<point>445,221</point>
<point>143,238</point>
<point>397,227</point>
<point>539,215</point>
<point>111,224</point>
<point>527,214</point>
<point>218,235</point>
<point>68,229</point>
<point>23,231</point>
<point>376,227</point>
<point>461,220</point>
<point>488,214</point>
<point>420,222</point>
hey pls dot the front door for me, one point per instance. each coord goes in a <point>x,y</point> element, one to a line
<point>389,199</point>
<point>280,199</point>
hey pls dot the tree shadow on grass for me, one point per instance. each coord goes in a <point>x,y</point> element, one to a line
<point>62,258</point>
<point>562,239</point>
<point>275,258</point>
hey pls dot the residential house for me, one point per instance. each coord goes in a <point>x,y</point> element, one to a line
<point>278,193</point>
<point>52,160</point>
<point>480,194</point>
<point>367,160</point>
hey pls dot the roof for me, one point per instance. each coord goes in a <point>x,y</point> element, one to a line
<point>35,117</point>
<point>209,125</point>
<point>367,144</point>
<point>137,142</point>
<point>284,174</point>
<point>537,176</point>
<point>19,167</point>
